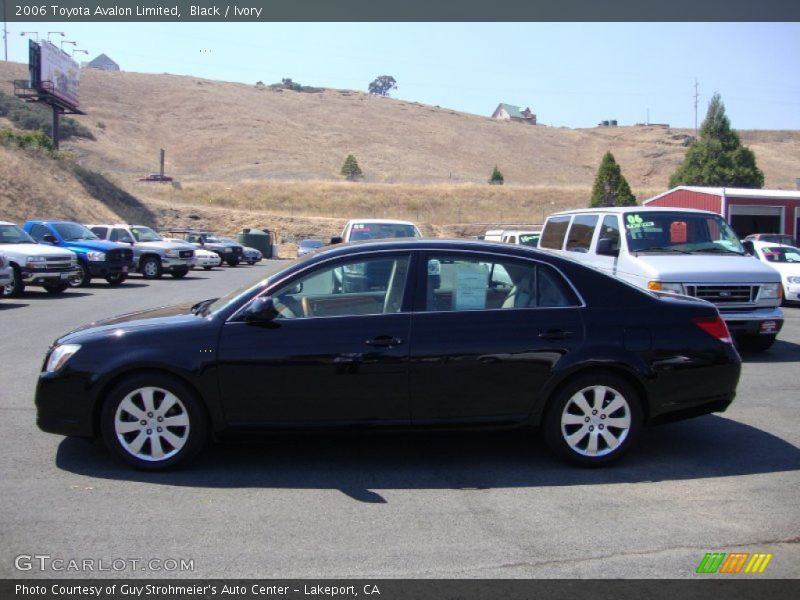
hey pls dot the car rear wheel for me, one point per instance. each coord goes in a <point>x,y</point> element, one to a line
<point>16,287</point>
<point>154,422</point>
<point>207,268</point>
<point>594,419</point>
<point>755,343</point>
<point>232,262</point>
<point>116,278</point>
<point>151,268</point>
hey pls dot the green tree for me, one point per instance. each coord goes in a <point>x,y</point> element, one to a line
<point>350,168</point>
<point>610,186</point>
<point>497,177</point>
<point>718,158</point>
<point>381,86</point>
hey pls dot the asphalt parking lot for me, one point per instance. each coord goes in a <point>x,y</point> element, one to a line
<point>407,505</point>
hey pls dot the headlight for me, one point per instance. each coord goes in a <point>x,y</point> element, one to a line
<point>60,356</point>
<point>171,254</point>
<point>770,291</point>
<point>675,288</point>
<point>35,262</point>
<point>96,256</point>
<point>793,279</point>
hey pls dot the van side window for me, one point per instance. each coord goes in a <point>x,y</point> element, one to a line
<point>581,232</point>
<point>554,232</point>
<point>610,230</point>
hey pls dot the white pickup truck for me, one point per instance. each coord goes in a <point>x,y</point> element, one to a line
<point>35,264</point>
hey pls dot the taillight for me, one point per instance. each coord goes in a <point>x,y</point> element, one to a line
<point>715,327</point>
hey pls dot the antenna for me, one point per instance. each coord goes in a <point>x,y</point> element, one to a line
<point>696,96</point>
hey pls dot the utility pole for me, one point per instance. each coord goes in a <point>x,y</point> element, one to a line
<point>696,96</point>
<point>5,31</point>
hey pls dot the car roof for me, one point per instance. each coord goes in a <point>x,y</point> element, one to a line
<point>621,210</point>
<point>390,221</point>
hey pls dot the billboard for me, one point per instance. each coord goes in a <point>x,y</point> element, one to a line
<point>57,74</point>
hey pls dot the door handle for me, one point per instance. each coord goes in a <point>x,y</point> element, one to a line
<point>555,334</point>
<point>384,341</point>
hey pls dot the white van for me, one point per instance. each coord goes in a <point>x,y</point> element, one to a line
<point>684,251</point>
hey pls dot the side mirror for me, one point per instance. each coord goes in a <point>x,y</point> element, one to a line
<point>749,247</point>
<point>607,247</point>
<point>49,238</point>
<point>261,310</point>
<point>337,239</point>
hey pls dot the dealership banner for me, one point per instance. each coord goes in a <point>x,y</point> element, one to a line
<point>407,10</point>
<point>397,589</point>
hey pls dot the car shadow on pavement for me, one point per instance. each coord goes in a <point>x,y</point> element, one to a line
<point>7,304</point>
<point>781,351</point>
<point>357,465</point>
<point>42,295</point>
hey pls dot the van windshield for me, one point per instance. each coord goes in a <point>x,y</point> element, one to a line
<point>679,232</point>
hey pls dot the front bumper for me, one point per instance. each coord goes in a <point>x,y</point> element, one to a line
<point>754,322</point>
<point>105,268</point>
<point>34,277</point>
<point>176,264</point>
<point>63,406</point>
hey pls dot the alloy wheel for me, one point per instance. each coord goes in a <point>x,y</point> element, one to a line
<point>595,421</point>
<point>151,424</point>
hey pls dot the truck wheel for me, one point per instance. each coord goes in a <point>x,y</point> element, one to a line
<point>207,268</point>
<point>232,262</point>
<point>755,343</point>
<point>56,288</point>
<point>16,287</point>
<point>82,278</point>
<point>116,278</point>
<point>179,274</point>
<point>151,268</point>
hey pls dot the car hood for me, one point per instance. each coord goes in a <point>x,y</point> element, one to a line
<point>707,268</point>
<point>90,245</point>
<point>162,245</point>
<point>35,250</point>
<point>136,321</point>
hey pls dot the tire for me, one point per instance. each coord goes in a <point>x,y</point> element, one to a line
<point>179,274</point>
<point>151,267</point>
<point>83,278</point>
<point>207,268</point>
<point>144,403</point>
<point>116,278</point>
<point>578,414</point>
<point>755,343</point>
<point>232,262</point>
<point>56,288</point>
<point>16,287</point>
<point>251,262</point>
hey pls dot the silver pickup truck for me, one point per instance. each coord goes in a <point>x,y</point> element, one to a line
<point>152,255</point>
<point>35,264</point>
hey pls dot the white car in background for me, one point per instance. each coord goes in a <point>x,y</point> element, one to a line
<point>785,260</point>
<point>203,258</point>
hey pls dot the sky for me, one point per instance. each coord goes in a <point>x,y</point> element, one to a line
<point>569,74</point>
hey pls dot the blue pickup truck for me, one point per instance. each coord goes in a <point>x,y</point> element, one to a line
<point>96,258</point>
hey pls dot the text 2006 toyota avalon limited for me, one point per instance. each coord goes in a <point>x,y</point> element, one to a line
<point>365,335</point>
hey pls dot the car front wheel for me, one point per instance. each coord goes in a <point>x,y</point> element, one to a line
<point>16,287</point>
<point>154,422</point>
<point>151,268</point>
<point>82,278</point>
<point>179,274</point>
<point>56,288</point>
<point>593,420</point>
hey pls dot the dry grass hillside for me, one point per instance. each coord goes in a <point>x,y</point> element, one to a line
<point>246,155</point>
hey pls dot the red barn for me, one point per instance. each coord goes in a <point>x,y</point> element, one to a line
<point>747,210</point>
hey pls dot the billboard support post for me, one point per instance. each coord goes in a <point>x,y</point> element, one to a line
<point>56,120</point>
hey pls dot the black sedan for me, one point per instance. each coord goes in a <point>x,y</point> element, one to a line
<point>500,336</point>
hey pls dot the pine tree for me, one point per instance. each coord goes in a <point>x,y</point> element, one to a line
<point>497,177</point>
<point>350,168</point>
<point>718,157</point>
<point>610,186</point>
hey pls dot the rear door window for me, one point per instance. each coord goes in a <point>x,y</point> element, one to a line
<point>554,232</point>
<point>581,232</point>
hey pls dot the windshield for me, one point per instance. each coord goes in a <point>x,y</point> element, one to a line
<point>13,234</point>
<point>375,231</point>
<point>74,231</point>
<point>529,239</point>
<point>262,280</point>
<point>311,244</point>
<point>145,234</point>
<point>781,254</point>
<point>679,232</point>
